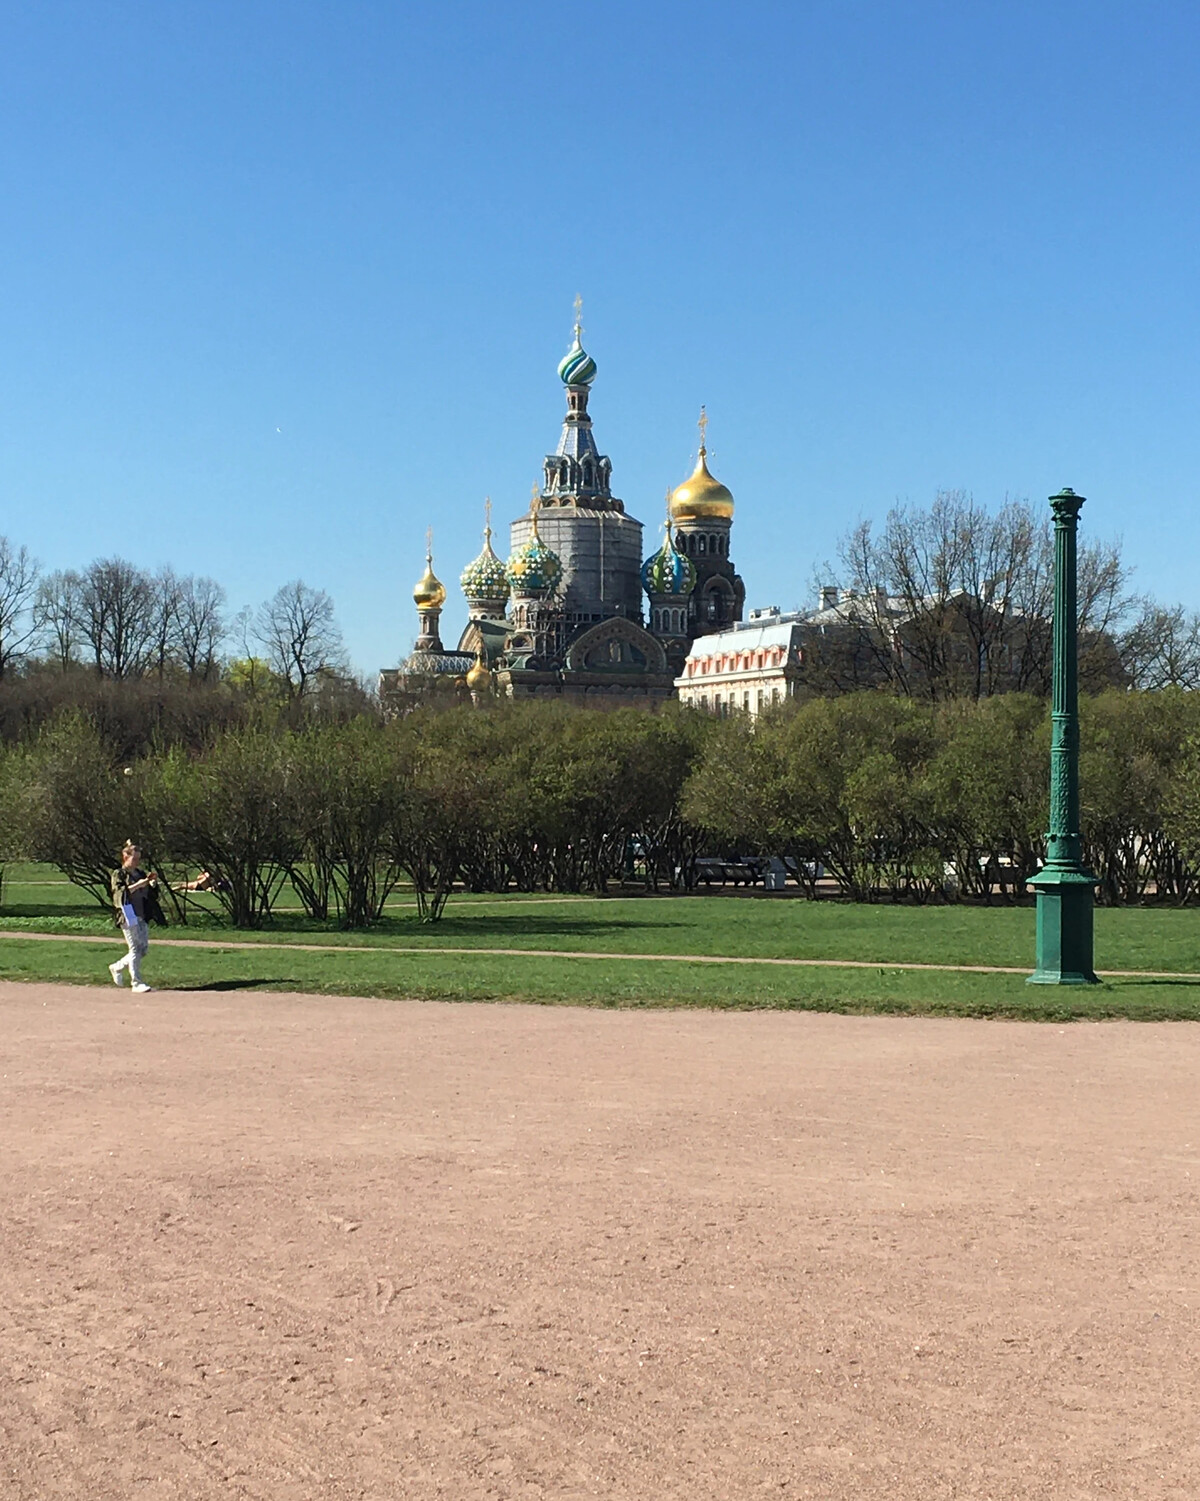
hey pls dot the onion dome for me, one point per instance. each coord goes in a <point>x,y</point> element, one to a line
<point>533,568</point>
<point>479,677</point>
<point>701,498</point>
<point>577,367</point>
<point>484,578</point>
<point>669,571</point>
<point>429,593</point>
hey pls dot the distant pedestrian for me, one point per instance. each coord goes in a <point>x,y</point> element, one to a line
<point>135,906</point>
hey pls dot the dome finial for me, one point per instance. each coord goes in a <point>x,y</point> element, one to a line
<point>487,519</point>
<point>535,505</point>
<point>578,317</point>
<point>703,426</point>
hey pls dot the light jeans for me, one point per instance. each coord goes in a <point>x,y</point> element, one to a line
<point>137,936</point>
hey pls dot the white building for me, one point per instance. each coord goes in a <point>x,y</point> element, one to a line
<point>754,664</point>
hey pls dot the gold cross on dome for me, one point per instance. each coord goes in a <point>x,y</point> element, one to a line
<point>703,426</point>
<point>578,316</point>
<point>668,520</point>
<point>535,499</point>
<point>429,545</point>
<point>487,518</point>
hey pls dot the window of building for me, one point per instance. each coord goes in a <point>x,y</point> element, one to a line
<point>700,544</point>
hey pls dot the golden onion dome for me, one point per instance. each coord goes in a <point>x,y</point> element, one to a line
<point>701,498</point>
<point>478,676</point>
<point>429,593</point>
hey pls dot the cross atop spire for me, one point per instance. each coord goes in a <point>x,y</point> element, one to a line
<point>429,546</point>
<point>578,316</point>
<point>703,426</point>
<point>487,518</point>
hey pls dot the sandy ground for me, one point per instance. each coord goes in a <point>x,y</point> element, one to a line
<point>286,1247</point>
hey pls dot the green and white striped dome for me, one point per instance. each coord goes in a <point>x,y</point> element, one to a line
<point>577,367</point>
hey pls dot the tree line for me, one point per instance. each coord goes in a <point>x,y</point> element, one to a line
<point>125,623</point>
<point>955,601</point>
<point>870,796</point>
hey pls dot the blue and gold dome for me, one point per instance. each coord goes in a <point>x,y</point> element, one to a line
<point>485,577</point>
<point>533,568</point>
<point>669,571</point>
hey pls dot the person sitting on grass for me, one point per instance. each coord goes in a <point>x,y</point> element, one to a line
<point>135,904</point>
<point>205,881</point>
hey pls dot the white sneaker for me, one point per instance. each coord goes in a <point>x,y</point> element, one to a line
<point>117,974</point>
<point>141,987</point>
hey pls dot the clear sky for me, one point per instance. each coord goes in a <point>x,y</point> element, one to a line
<point>283,283</point>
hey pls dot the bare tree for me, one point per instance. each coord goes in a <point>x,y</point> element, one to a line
<point>18,590</point>
<point>956,601</point>
<point>1161,649</point>
<point>117,617</point>
<point>164,605</point>
<point>201,627</point>
<point>298,631</point>
<point>58,617</point>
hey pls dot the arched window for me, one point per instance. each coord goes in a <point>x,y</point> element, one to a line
<point>700,544</point>
<point>587,476</point>
<point>712,545</point>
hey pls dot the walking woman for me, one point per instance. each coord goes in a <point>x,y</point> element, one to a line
<point>135,905</point>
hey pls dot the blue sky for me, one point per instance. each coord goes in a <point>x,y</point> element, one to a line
<point>285,283</point>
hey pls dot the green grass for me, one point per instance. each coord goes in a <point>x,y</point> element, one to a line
<point>607,983</point>
<point>1159,939</point>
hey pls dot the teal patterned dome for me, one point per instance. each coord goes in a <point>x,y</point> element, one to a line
<point>534,568</point>
<point>669,571</point>
<point>577,367</point>
<point>485,577</point>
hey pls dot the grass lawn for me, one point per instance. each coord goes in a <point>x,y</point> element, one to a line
<point>36,899</point>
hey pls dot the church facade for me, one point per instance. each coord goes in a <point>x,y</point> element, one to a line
<point>577,611</point>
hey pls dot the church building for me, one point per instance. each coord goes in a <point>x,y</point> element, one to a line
<point>563,616</point>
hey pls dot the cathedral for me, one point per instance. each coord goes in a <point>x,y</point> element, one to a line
<point>564,615</point>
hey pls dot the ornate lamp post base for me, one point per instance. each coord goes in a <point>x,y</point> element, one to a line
<point>1064,928</point>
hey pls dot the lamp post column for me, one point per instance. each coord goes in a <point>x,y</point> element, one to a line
<point>1063,886</point>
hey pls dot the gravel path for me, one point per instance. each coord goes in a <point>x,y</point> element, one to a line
<point>287,1247</point>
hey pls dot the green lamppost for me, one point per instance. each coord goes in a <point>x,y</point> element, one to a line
<point>1063,886</point>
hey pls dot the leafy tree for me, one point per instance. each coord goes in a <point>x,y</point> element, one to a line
<point>82,805</point>
<point>231,810</point>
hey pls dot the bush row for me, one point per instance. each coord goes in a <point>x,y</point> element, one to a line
<point>890,797</point>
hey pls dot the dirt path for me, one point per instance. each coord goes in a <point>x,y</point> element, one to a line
<point>303,1249</point>
<point>626,956</point>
